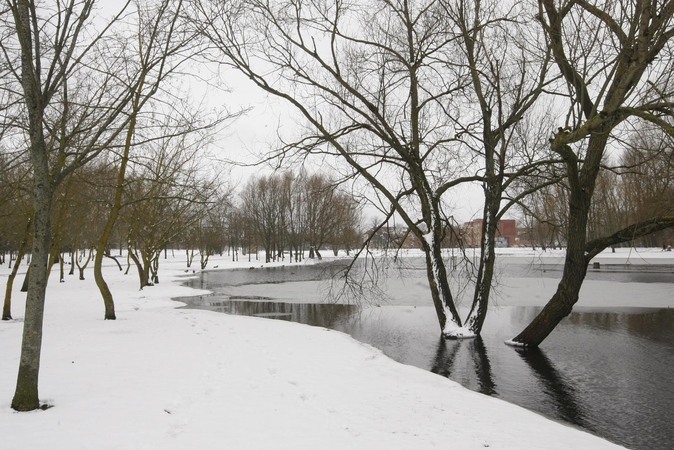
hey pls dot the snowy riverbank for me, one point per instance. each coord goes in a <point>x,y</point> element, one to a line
<point>167,378</point>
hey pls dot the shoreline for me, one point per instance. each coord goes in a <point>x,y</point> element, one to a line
<point>161,377</point>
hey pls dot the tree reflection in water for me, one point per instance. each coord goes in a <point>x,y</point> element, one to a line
<point>473,352</point>
<point>562,394</point>
<point>467,361</point>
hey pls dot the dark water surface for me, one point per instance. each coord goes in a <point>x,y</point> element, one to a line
<point>607,370</point>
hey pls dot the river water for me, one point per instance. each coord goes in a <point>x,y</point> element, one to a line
<point>607,370</point>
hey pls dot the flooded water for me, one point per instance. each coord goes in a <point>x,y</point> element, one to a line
<point>606,370</point>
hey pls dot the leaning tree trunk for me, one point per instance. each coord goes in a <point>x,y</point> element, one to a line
<point>561,303</point>
<point>26,278</point>
<point>581,185</point>
<point>143,274</point>
<point>7,305</point>
<point>101,247</point>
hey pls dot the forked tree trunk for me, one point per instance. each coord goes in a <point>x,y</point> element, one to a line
<point>204,261</point>
<point>81,267</point>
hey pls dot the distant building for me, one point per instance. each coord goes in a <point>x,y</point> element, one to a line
<point>506,233</point>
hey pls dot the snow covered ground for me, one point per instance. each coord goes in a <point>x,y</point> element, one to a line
<point>167,378</point>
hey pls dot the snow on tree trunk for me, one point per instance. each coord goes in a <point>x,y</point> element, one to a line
<point>485,273</point>
<point>448,316</point>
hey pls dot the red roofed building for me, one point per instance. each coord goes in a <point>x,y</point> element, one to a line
<point>506,233</point>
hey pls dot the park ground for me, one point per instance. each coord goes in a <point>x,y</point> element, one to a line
<point>161,377</point>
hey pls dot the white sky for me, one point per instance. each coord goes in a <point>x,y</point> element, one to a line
<point>256,132</point>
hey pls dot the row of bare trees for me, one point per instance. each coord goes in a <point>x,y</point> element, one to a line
<point>165,194</point>
<point>296,213</point>
<point>95,118</point>
<point>168,203</point>
<point>636,186</point>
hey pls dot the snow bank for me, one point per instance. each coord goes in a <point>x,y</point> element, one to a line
<point>167,378</point>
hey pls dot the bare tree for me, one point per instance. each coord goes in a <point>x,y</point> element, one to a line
<point>507,74</point>
<point>382,86</point>
<point>616,60</point>
<point>161,49</point>
<point>261,198</point>
<point>167,193</point>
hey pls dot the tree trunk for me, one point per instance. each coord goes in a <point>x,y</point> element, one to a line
<point>448,316</point>
<point>108,301</point>
<point>575,263</point>
<point>154,268</point>
<point>26,393</point>
<point>104,289</point>
<point>561,303</point>
<point>485,273</point>
<point>114,258</point>
<point>143,278</point>
<point>204,261</point>
<point>7,305</point>
<point>26,278</point>
<point>62,277</point>
<point>483,285</point>
<point>73,254</point>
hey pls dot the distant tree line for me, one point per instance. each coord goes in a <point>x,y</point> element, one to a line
<point>637,185</point>
<point>170,204</point>
<point>285,212</point>
<point>164,196</point>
